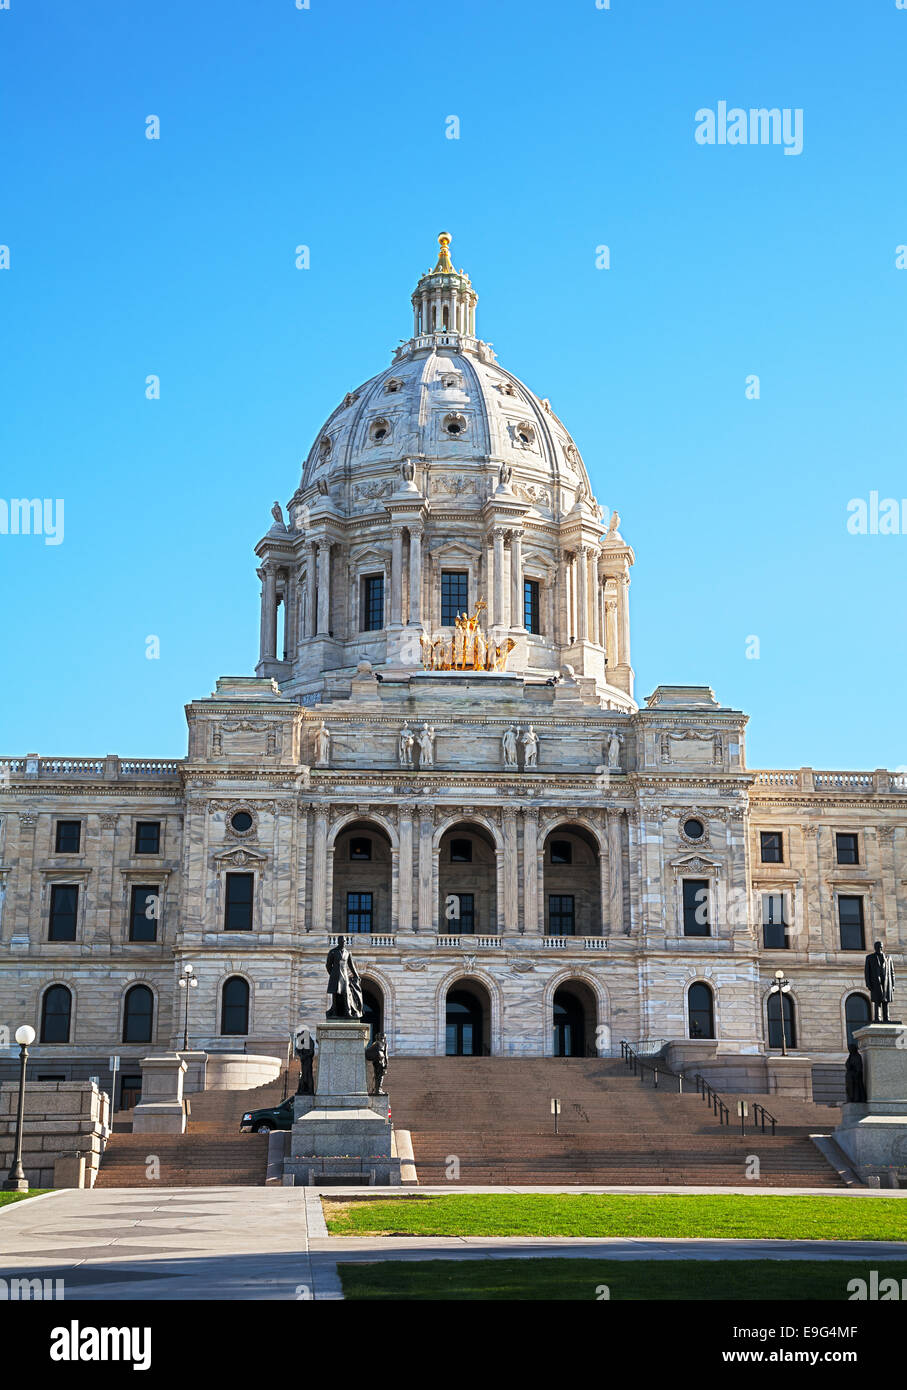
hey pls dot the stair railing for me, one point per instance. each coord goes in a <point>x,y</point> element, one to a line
<point>640,1065</point>
<point>716,1103</point>
<point>760,1115</point>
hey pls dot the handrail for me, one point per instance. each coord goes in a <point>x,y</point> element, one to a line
<point>765,1115</point>
<point>716,1102</point>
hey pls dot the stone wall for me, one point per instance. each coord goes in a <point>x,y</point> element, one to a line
<point>60,1118</point>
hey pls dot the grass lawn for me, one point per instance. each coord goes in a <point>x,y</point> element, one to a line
<point>7,1197</point>
<point>557,1279</point>
<point>693,1216</point>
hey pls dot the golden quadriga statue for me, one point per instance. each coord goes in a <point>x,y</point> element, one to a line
<point>467,649</point>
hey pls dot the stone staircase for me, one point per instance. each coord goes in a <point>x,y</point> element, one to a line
<point>493,1115</point>
<point>212,1152</point>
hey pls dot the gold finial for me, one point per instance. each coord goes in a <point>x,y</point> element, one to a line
<point>444,264</point>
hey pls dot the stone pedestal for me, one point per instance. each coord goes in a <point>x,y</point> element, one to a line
<point>341,1134</point>
<point>790,1076</point>
<point>161,1109</point>
<point>873,1134</point>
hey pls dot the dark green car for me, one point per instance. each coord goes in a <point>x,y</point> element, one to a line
<point>263,1121</point>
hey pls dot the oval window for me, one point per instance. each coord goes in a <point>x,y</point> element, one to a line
<point>241,820</point>
<point>693,829</point>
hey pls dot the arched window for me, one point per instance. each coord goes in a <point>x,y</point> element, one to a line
<point>857,1014</point>
<point>56,1012</point>
<point>701,1010</point>
<point>234,1014</point>
<point>774,1021</point>
<point>138,1014</point>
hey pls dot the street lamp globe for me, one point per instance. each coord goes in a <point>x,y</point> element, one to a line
<point>25,1035</point>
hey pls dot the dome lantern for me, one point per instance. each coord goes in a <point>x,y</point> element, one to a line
<point>444,301</point>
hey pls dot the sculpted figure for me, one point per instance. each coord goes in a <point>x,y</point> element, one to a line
<point>376,1053</point>
<point>426,746</point>
<point>408,470</point>
<point>853,1075</point>
<point>508,743</point>
<point>614,740</point>
<point>304,1047</point>
<point>405,746</point>
<point>277,513</point>
<point>322,745</point>
<point>530,741</point>
<point>505,473</point>
<point>344,985</point>
<point>878,972</point>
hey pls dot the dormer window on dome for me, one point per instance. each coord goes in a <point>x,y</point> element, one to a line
<point>379,430</point>
<point>454,424</point>
<point>394,384</point>
<point>524,434</point>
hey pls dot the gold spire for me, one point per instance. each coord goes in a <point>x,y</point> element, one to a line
<point>444,264</point>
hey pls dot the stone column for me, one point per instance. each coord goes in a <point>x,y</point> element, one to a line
<point>530,870</point>
<point>268,613</point>
<point>516,580</point>
<point>623,621</point>
<point>294,590</point>
<point>809,938</point>
<point>498,617</point>
<point>604,880</point>
<point>311,584</point>
<point>396,575</point>
<point>103,914</point>
<point>582,594</point>
<point>415,574</point>
<point>611,630</point>
<point>320,907</point>
<point>594,611</point>
<point>405,867</point>
<point>426,903</point>
<point>324,588</point>
<point>886,835</point>
<point>561,606</point>
<point>511,868</point>
<point>615,872</point>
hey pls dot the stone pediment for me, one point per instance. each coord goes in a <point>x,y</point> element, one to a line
<point>241,857</point>
<point>695,864</point>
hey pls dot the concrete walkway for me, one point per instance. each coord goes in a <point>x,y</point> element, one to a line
<point>271,1243</point>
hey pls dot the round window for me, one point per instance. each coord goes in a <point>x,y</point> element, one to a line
<point>241,820</point>
<point>693,829</point>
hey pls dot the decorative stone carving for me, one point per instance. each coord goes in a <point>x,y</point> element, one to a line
<point>530,742</point>
<point>322,745</point>
<point>415,962</point>
<point>456,485</point>
<point>509,746</point>
<point>373,491</point>
<point>426,741</point>
<point>533,492</point>
<point>405,743</point>
<point>612,747</point>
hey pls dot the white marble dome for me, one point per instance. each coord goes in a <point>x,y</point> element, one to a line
<point>443,484</point>
<point>447,405</point>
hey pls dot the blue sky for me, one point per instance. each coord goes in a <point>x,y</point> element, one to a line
<point>326,127</point>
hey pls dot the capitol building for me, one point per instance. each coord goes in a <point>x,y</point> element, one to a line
<point>441,755</point>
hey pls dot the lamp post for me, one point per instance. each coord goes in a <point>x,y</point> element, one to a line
<point>781,987</point>
<point>187,982</point>
<point>16,1180</point>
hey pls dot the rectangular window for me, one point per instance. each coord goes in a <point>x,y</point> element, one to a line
<point>358,912</point>
<point>373,603</point>
<point>561,914</point>
<point>772,843</point>
<point>238,902</point>
<point>531,620</point>
<point>64,907</point>
<point>848,849</point>
<point>360,847</point>
<point>774,925</point>
<point>561,852</point>
<point>454,595</point>
<point>465,920</point>
<point>69,836</point>
<point>144,912</point>
<point>850,921</point>
<point>461,851</point>
<point>148,837</point>
<point>696,907</point>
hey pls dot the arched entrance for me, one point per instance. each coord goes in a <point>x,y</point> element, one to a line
<point>467,881</point>
<point>372,1008</point>
<point>572,882</point>
<point>362,880</point>
<point>467,1020</point>
<point>574,1020</point>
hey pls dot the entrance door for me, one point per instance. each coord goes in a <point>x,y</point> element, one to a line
<point>569,1025</point>
<point>130,1091</point>
<point>464,1025</point>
